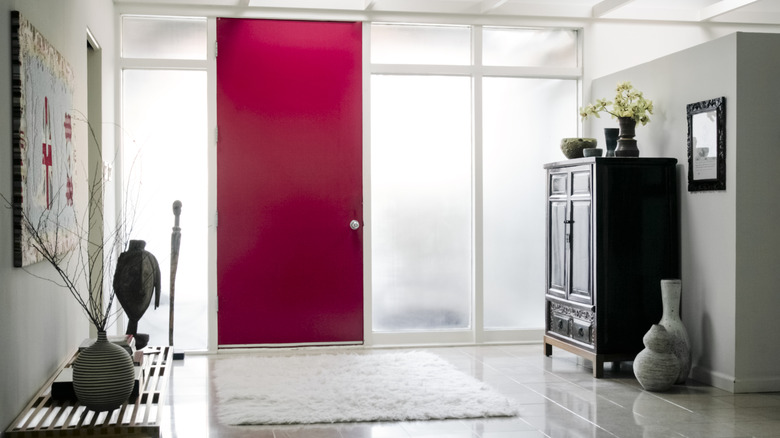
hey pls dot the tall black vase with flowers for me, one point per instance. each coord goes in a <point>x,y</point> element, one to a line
<point>629,107</point>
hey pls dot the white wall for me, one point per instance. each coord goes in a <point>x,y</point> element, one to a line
<point>729,252</point>
<point>612,46</point>
<point>758,207</point>
<point>39,323</point>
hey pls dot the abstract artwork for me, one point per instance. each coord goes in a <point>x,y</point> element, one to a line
<point>43,150</point>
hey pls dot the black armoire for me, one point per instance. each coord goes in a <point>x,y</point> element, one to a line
<point>612,236</point>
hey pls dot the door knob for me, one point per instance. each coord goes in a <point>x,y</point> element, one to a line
<point>354,224</point>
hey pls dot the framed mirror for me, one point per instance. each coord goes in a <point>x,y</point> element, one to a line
<point>707,145</point>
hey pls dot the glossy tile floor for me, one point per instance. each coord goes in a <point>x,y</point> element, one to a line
<point>558,397</point>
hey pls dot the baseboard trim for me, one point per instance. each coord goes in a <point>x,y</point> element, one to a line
<point>766,384</point>
<point>713,378</point>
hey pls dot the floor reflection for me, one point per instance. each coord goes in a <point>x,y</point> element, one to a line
<point>558,397</point>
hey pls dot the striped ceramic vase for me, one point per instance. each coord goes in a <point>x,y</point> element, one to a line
<point>103,375</point>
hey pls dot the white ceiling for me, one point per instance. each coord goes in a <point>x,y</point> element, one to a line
<point>730,11</point>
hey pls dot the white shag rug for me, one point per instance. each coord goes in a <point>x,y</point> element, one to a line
<point>330,388</point>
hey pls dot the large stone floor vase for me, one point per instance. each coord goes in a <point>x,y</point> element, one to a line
<point>656,367</point>
<point>671,291</point>
<point>103,375</point>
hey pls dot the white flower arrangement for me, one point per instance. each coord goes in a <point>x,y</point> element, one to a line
<point>628,103</point>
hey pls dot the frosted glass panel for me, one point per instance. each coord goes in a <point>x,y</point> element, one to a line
<point>529,47</point>
<point>421,213</point>
<point>163,37</point>
<point>164,159</point>
<point>524,120</point>
<point>407,44</point>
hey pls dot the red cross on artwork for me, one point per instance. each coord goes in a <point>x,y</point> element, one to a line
<point>47,161</point>
<point>68,139</point>
<point>69,191</point>
<point>68,128</point>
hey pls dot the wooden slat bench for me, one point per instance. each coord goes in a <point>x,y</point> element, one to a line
<point>139,417</point>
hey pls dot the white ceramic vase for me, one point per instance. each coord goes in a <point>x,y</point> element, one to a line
<point>671,290</point>
<point>656,367</point>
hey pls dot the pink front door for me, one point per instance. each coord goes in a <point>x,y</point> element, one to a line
<point>289,182</point>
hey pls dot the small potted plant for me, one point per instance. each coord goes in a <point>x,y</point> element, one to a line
<point>629,107</point>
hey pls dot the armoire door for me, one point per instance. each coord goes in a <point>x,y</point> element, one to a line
<point>581,229</point>
<point>289,182</point>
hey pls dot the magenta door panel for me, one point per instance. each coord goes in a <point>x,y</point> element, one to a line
<point>289,182</point>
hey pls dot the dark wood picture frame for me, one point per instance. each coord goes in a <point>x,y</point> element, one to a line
<point>707,145</point>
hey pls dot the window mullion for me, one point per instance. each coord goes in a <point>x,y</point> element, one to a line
<point>477,194</point>
<point>422,69</point>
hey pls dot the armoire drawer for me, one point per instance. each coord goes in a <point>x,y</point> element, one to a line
<point>581,331</point>
<point>560,324</point>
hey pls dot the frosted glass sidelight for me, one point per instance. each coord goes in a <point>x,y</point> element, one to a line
<point>415,44</point>
<point>421,202</point>
<point>164,159</point>
<point>524,121</point>
<point>503,46</point>
<point>163,37</point>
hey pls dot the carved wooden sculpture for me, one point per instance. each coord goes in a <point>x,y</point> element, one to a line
<point>137,276</point>
<point>175,242</point>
